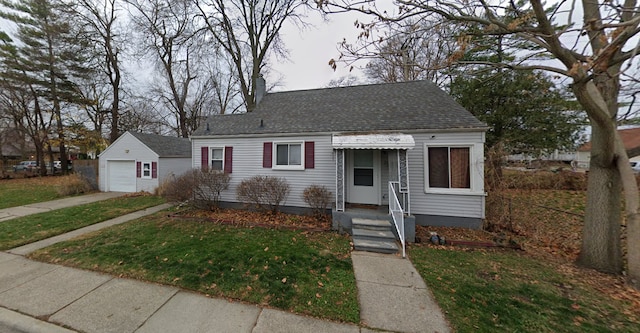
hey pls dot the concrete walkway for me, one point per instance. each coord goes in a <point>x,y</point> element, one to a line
<point>393,296</point>
<point>41,207</point>
<point>40,297</point>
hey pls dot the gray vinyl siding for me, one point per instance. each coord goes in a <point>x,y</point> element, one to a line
<point>247,162</point>
<point>172,167</point>
<point>460,205</point>
<point>167,167</point>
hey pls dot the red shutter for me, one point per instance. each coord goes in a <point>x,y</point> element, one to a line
<point>228,159</point>
<point>138,169</point>
<point>154,169</point>
<point>267,155</point>
<point>204,158</point>
<point>309,155</point>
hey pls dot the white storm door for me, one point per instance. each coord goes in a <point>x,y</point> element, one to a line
<point>364,176</point>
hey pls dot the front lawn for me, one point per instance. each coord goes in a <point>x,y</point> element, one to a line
<point>508,291</point>
<point>18,192</point>
<point>300,271</point>
<point>32,228</point>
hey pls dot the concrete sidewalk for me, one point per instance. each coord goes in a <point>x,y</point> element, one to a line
<point>92,302</point>
<point>41,207</point>
<point>28,248</point>
<point>40,297</point>
<point>393,296</point>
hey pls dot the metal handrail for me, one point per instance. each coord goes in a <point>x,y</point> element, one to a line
<point>397,213</point>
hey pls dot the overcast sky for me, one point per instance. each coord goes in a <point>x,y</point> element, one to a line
<point>311,49</point>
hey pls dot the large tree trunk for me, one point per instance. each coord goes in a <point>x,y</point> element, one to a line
<point>632,205</point>
<point>633,249</point>
<point>609,173</point>
<point>601,233</point>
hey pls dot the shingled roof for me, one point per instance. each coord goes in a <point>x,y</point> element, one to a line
<point>630,138</point>
<point>165,146</point>
<point>358,109</point>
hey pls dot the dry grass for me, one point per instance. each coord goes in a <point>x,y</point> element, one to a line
<point>73,184</point>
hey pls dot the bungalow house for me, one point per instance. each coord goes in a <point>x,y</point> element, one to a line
<point>141,162</point>
<point>357,141</point>
<point>630,138</point>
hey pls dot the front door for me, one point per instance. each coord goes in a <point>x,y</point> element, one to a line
<point>364,176</point>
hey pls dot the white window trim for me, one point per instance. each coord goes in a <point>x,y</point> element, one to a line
<point>274,156</point>
<point>150,176</point>
<point>211,157</point>
<point>458,191</point>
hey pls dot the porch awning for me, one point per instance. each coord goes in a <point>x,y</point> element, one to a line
<point>373,141</point>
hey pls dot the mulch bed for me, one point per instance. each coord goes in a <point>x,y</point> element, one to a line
<point>245,218</point>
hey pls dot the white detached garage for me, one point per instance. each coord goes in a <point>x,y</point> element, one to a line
<point>140,162</point>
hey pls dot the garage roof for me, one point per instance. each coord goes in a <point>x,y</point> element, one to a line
<point>165,146</point>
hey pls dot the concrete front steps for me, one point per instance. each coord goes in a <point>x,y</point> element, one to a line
<point>373,235</point>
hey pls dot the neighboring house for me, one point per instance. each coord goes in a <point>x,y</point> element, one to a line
<point>555,156</point>
<point>354,141</point>
<point>140,162</point>
<point>631,139</point>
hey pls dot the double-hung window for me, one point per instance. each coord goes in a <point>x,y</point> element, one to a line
<point>217,159</point>
<point>448,167</point>
<point>146,170</point>
<point>289,155</point>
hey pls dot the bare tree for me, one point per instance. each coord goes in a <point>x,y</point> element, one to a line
<point>402,51</point>
<point>343,81</point>
<point>247,30</point>
<point>227,98</point>
<point>169,34</point>
<point>141,115</point>
<point>21,105</point>
<point>99,18</point>
<point>596,55</point>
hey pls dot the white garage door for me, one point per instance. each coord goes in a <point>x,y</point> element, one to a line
<point>122,176</point>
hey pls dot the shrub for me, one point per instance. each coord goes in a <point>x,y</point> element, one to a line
<point>209,185</point>
<point>74,184</point>
<point>318,198</point>
<point>263,191</point>
<point>180,188</point>
<point>201,187</point>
